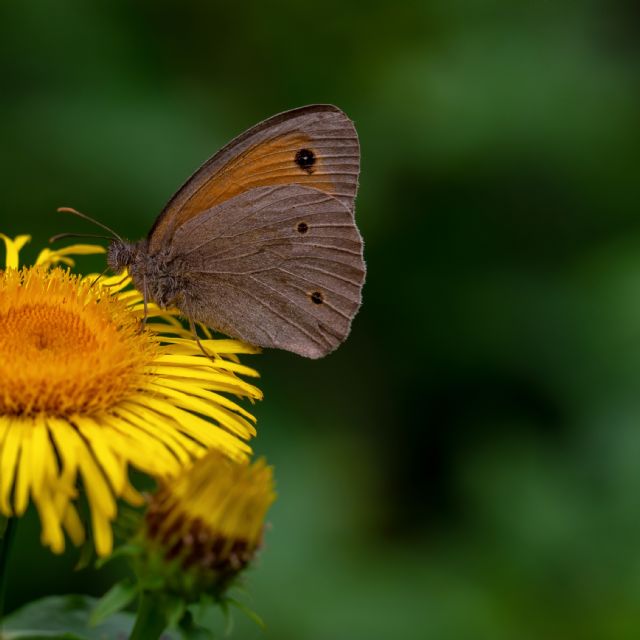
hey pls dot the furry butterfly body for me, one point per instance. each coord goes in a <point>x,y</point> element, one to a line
<point>261,242</point>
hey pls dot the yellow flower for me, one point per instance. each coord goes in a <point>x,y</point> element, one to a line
<point>208,522</point>
<point>85,394</point>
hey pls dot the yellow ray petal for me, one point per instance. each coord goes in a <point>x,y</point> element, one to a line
<point>13,249</point>
<point>234,423</point>
<point>8,464</point>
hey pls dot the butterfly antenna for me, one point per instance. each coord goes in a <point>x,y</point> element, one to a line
<point>59,236</point>
<point>84,216</point>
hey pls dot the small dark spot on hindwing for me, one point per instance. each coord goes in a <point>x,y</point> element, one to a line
<point>317,297</point>
<point>302,227</point>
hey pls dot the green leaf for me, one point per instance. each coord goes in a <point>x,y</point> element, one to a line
<point>86,555</point>
<point>190,630</point>
<point>67,618</point>
<point>116,599</point>
<point>29,635</point>
<point>250,613</point>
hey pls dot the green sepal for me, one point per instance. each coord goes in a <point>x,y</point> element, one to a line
<point>128,522</point>
<point>120,596</point>
<point>175,608</point>
<point>197,633</point>
<point>191,630</point>
<point>250,613</point>
<point>228,618</point>
<point>130,550</point>
<point>200,615</point>
<point>86,555</point>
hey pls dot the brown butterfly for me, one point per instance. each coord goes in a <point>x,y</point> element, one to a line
<point>260,243</point>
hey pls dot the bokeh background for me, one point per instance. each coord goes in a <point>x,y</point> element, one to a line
<point>467,465</point>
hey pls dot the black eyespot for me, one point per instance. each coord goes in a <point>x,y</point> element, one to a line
<point>305,159</point>
<point>303,227</point>
<point>317,297</point>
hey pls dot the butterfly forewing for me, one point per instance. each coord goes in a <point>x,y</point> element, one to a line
<point>278,266</point>
<point>315,146</point>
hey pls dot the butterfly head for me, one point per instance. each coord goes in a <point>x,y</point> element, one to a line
<point>121,254</point>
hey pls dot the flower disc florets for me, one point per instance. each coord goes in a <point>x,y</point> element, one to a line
<point>65,348</point>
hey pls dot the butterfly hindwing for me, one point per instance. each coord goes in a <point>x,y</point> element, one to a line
<point>277,266</point>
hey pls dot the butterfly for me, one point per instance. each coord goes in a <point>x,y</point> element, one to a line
<point>260,243</point>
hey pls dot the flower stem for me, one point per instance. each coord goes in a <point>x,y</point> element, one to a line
<point>151,620</point>
<point>5,549</point>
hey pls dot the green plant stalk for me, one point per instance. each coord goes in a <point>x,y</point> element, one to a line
<point>5,550</point>
<point>151,620</point>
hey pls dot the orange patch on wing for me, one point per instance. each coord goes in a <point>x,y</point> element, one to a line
<point>268,163</point>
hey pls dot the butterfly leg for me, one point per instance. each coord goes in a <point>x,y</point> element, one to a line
<point>93,284</point>
<point>196,337</point>
<point>115,284</point>
<point>145,303</point>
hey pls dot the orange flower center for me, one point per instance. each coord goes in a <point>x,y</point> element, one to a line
<point>65,348</point>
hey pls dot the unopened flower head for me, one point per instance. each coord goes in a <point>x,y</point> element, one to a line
<point>85,394</point>
<point>207,524</point>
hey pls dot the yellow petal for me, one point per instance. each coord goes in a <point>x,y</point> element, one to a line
<point>13,249</point>
<point>8,464</point>
<point>101,525</point>
<point>73,525</point>
<point>48,257</point>
<point>24,472</point>
<point>234,423</point>
<point>40,446</point>
<point>202,391</point>
<point>102,451</point>
<point>157,425</point>
<point>201,430</point>
<point>51,535</point>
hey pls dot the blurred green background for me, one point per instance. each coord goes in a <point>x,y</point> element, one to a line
<point>467,465</point>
